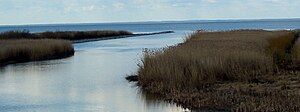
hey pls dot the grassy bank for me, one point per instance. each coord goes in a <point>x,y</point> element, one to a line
<point>24,50</point>
<point>23,46</point>
<point>67,35</point>
<point>225,71</point>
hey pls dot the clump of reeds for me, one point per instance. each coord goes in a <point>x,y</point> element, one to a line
<point>281,48</point>
<point>196,72</point>
<point>16,34</point>
<point>68,35</point>
<point>24,50</point>
<point>296,50</point>
<point>23,46</point>
<point>210,57</point>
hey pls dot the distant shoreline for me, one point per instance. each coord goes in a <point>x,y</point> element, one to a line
<point>167,21</point>
<point>118,37</point>
<point>75,36</point>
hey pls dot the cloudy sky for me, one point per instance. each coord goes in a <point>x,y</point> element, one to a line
<point>99,11</point>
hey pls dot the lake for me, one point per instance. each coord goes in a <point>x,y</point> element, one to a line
<point>93,79</point>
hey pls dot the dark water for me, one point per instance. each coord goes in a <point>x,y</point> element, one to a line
<point>93,80</point>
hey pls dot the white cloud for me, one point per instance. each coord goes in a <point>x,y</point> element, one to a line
<point>88,8</point>
<point>118,5</point>
<point>210,1</point>
<point>27,11</point>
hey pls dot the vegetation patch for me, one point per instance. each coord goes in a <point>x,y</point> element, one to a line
<point>23,46</point>
<point>225,71</point>
<point>67,35</point>
<point>281,48</point>
<point>24,50</point>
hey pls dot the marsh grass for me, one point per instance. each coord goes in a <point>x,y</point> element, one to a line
<point>296,51</point>
<point>24,50</point>
<point>67,35</point>
<point>210,57</point>
<point>23,46</point>
<point>281,48</point>
<point>230,70</point>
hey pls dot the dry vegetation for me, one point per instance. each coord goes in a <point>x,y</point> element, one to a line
<point>23,46</point>
<point>225,71</point>
<point>67,35</point>
<point>24,50</point>
<point>296,52</point>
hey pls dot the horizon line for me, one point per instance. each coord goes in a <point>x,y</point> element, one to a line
<point>150,21</point>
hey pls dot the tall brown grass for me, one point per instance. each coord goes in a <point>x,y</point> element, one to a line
<point>209,57</point>
<point>23,46</point>
<point>296,51</point>
<point>68,35</point>
<point>281,48</point>
<point>24,50</point>
<point>205,71</point>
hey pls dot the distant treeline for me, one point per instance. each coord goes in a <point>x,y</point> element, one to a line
<point>67,35</point>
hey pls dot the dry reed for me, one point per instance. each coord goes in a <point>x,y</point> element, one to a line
<point>296,51</point>
<point>217,70</point>
<point>24,50</point>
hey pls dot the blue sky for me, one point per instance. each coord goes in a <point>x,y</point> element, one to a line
<point>99,11</point>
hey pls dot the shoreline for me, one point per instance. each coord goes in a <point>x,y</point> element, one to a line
<point>118,37</point>
<point>67,55</point>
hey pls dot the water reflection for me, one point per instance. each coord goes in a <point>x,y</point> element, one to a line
<point>154,100</point>
<point>92,80</point>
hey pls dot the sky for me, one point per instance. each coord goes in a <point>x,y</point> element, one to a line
<point>15,12</point>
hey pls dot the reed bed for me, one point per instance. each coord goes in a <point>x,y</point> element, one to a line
<point>229,70</point>
<point>23,46</point>
<point>281,48</point>
<point>296,51</point>
<point>67,35</point>
<point>24,50</point>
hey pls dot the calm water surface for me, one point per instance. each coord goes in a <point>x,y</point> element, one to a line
<point>93,79</point>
